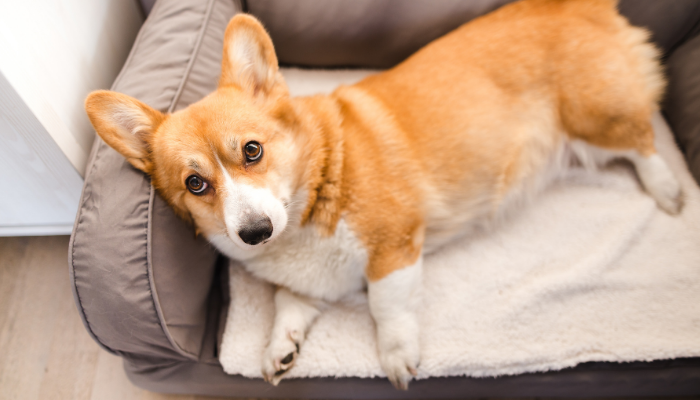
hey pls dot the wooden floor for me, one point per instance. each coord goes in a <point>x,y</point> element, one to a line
<point>45,352</point>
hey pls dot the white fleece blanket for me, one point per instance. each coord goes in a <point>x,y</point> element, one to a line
<point>592,271</point>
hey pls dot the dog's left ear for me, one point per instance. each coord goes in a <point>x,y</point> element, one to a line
<point>249,59</point>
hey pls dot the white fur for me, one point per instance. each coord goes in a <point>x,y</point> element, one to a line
<point>393,303</point>
<point>308,263</point>
<point>294,315</point>
<point>246,57</point>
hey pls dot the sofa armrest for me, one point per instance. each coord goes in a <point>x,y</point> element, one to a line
<point>140,277</point>
<point>670,22</point>
<point>675,28</point>
<point>682,103</point>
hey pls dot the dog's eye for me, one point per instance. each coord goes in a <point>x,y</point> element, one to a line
<point>253,151</point>
<point>196,185</point>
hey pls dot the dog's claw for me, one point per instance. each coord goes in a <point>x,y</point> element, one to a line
<point>399,384</point>
<point>279,358</point>
<point>400,380</point>
<point>400,364</point>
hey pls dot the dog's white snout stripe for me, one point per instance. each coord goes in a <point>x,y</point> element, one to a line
<point>245,206</point>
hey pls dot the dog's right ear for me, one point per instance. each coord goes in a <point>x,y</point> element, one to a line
<point>249,59</point>
<point>124,123</point>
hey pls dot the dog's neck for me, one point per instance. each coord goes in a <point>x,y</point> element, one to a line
<point>321,122</point>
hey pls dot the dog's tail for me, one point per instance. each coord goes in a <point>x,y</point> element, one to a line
<point>593,4</point>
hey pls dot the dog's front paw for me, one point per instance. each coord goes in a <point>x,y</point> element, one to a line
<point>280,355</point>
<point>399,360</point>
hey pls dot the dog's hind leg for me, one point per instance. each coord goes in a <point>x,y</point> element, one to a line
<point>608,87</point>
<point>294,314</point>
<point>659,181</point>
<point>634,141</point>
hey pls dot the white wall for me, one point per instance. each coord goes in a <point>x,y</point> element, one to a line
<point>52,54</point>
<point>42,189</point>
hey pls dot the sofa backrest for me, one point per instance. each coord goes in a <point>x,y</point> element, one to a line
<point>360,33</point>
<point>382,33</point>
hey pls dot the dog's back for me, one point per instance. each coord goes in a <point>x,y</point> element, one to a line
<point>488,109</point>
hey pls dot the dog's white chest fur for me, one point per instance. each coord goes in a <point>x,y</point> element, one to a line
<point>310,264</point>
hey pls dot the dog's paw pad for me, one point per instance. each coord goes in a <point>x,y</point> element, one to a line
<point>288,359</point>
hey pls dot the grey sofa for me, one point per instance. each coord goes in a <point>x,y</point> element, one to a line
<point>151,292</point>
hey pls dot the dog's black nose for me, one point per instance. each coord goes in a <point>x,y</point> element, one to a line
<point>256,231</point>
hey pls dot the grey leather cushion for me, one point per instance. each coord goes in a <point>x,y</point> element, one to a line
<point>682,104</point>
<point>675,25</point>
<point>671,22</point>
<point>141,278</point>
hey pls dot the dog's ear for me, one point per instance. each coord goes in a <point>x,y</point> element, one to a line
<point>249,59</point>
<point>124,123</point>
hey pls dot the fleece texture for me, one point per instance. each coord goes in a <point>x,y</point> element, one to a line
<point>591,271</point>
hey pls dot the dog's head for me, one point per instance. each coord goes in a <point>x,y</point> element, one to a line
<point>230,163</point>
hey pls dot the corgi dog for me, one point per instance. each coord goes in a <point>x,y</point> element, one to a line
<point>332,194</point>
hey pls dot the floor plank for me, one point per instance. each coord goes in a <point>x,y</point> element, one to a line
<point>72,359</point>
<point>110,381</point>
<point>30,319</point>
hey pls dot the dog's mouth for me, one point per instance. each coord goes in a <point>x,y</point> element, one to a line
<point>253,237</point>
<point>250,246</point>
